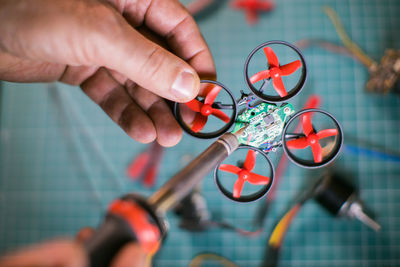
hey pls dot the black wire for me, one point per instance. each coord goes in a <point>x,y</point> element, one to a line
<point>271,258</point>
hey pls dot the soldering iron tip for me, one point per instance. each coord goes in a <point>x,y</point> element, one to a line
<point>240,131</point>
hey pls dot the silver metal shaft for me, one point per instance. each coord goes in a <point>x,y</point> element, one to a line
<point>356,210</point>
<point>182,183</point>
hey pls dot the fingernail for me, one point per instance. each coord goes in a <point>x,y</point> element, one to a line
<point>184,86</point>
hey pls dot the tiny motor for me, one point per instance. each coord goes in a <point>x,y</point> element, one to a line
<point>340,198</point>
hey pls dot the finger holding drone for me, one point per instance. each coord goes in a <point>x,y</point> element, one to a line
<point>210,114</point>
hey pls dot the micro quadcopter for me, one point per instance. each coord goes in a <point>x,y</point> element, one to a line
<point>270,121</point>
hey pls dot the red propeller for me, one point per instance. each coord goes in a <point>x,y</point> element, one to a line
<point>276,71</point>
<point>252,7</point>
<point>205,109</point>
<point>245,173</point>
<point>311,139</point>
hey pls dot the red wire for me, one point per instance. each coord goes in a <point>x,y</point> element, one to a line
<point>249,233</point>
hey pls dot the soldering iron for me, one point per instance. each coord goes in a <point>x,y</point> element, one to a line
<point>133,218</point>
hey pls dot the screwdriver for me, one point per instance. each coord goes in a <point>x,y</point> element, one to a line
<point>133,218</point>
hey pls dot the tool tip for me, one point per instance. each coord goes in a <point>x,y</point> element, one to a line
<point>361,215</point>
<point>241,130</point>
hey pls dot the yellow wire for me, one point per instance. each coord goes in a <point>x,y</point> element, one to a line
<point>353,47</point>
<point>199,259</point>
<point>280,229</point>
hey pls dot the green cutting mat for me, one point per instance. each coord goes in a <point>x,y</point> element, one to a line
<point>62,160</point>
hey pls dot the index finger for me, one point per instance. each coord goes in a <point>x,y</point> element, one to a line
<point>53,253</point>
<point>171,20</point>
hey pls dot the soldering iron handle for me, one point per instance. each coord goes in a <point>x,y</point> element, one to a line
<point>129,219</point>
<point>112,235</point>
<point>182,183</point>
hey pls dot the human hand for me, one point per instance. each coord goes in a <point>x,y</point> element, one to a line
<point>89,43</point>
<point>69,253</point>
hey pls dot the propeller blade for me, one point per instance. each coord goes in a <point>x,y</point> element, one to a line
<point>264,6</point>
<point>279,87</point>
<point>236,3</point>
<point>264,74</point>
<point>237,188</point>
<point>251,16</point>
<point>194,105</point>
<point>230,168</point>
<point>299,143</point>
<point>257,179</point>
<point>307,125</point>
<point>327,133</point>
<point>314,101</point>
<point>137,166</point>
<point>239,4</point>
<point>290,67</point>
<point>205,88</point>
<point>272,58</point>
<point>199,122</point>
<point>317,152</point>
<point>220,115</point>
<point>212,94</point>
<point>250,161</point>
<point>255,5</point>
<point>151,176</point>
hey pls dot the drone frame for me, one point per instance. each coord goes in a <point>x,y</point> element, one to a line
<point>260,97</point>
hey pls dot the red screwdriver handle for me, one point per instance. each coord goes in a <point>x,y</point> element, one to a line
<point>126,221</point>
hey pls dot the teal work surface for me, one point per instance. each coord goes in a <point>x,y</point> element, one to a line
<point>62,160</point>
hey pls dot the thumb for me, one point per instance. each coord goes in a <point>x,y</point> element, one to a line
<point>146,63</point>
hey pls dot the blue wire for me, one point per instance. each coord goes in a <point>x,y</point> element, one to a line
<point>268,148</point>
<point>249,102</point>
<point>356,150</point>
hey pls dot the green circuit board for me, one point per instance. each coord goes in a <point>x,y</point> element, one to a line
<point>266,123</point>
